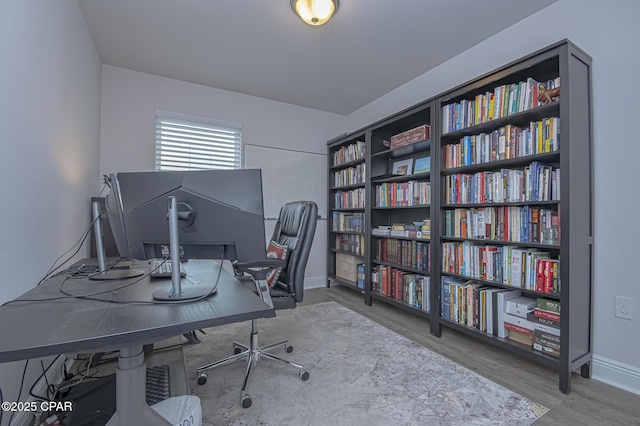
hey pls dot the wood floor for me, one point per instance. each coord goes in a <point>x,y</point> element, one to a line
<point>590,402</point>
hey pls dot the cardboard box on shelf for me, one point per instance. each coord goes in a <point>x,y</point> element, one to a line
<point>346,267</point>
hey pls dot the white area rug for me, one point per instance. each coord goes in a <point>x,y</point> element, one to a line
<point>361,374</point>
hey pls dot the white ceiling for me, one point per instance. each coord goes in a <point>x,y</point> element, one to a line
<point>261,48</point>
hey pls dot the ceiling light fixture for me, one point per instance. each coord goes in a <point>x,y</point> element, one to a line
<point>314,12</point>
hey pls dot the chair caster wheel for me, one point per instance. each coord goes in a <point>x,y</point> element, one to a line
<point>304,375</point>
<point>246,401</point>
<point>202,378</point>
<point>288,348</point>
<point>237,350</point>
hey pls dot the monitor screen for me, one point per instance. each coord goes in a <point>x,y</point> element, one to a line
<point>217,209</point>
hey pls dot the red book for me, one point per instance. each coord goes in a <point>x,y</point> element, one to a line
<point>392,283</point>
<point>518,328</point>
<point>548,277</point>
<point>549,315</point>
<point>385,280</point>
<point>399,284</point>
<point>540,275</point>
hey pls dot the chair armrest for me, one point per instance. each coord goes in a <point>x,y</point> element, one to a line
<point>259,268</point>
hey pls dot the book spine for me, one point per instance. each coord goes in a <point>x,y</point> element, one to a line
<point>547,336</point>
<point>519,329</point>
<point>536,319</point>
<point>548,305</point>
<point>547,329</point>
<point>546,350</point>
<point>553,316</point>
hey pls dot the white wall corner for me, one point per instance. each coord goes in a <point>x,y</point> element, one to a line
<point>615,373</point>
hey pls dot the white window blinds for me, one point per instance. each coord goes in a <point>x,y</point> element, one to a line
<point>192,143</point>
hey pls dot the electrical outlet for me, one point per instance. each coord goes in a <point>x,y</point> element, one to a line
<point>623,307</point>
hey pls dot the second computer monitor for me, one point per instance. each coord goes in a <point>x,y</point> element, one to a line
<point>220,213</point>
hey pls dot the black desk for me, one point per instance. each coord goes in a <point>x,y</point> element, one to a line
<point>72,325</point>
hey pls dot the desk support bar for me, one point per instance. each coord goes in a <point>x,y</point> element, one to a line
<point>131,388</point>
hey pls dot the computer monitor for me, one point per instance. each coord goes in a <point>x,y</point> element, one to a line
<point>220,213</point>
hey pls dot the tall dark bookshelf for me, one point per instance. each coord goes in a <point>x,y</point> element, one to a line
<point>347,179</point>
<point>459,160</point>
<point>399,199</point>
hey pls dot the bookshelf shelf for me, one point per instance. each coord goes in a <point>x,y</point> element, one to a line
<point>345,187</point>
<point>347,209</point>
<point>426,240</point>
<point>347,164</point>
<point>347,252</point>
<point>403,178</point>
<point>422,206</point>
<point>507,344</point>
<point>547,157</point>
<point>400,304</point>
<point>503,242</point>
<point>415,147</point>
<point>400,266</point>
<point>514,204</point>
<point>351,284</point>
<point>516,149</point>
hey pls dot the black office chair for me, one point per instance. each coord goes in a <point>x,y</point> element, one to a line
<point>294,229</point>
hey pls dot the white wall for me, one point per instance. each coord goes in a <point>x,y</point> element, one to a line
<point>49,133</point>
<point>609,32</point>
<point>129,102</point>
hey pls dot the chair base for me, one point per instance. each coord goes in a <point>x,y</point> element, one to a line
<point>253,353</point>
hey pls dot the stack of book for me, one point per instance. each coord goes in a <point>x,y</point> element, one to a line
<point>406,230</point>
<point>515,319</point>
<point>381,231</point>
<point>425,229</point>
<point>546,321</point>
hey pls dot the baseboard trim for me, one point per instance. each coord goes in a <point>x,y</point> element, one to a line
<point>615,373</point>
<point>315,282</point>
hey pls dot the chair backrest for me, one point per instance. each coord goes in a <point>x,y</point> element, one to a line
<point>296,228</point>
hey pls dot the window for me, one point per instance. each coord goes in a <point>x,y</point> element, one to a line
<point>196,143</point>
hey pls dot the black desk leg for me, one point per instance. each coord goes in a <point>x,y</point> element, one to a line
<point>131,388</point>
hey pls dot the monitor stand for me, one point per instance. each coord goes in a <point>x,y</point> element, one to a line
<point>176,292</point>
<point>104,273</point>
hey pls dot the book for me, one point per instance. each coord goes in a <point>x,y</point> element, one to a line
<point>550,315</point>
<point>445,301</point>
<point>546,350</point>
<point>521,324</point>
<point>548,304</point>
<point>545,342</point>
<point>422,165</point>
<point>544,336</point>
<point>534,318</point>
<point>545,328</point>
<point>500,299</point>
<point>519,337</point>
<point>518,257</point>
<point>489,309</point>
